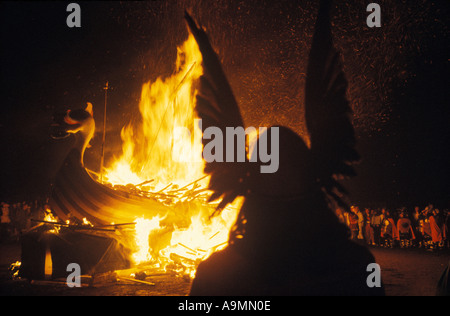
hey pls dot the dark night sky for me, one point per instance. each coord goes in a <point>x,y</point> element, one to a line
<point>398,77</point>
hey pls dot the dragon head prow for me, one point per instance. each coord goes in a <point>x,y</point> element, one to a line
<point>79,122</point>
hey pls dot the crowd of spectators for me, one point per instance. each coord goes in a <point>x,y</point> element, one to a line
<point>427,228</point>
<point>16,218</point>
<point>422,228</point>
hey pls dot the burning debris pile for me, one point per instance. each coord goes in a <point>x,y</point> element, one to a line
<point>178,245</point>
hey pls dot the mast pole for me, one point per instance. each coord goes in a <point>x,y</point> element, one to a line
<point>106,87</point>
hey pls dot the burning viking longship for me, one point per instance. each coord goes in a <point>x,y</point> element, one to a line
<point>152,203</point>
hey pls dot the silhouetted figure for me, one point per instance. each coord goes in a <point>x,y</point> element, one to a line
<point>286,240</point>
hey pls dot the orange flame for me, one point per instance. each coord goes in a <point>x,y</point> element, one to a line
<point>153,150</point>
<point>166,148</point>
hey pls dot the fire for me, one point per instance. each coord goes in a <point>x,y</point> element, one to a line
<point>165,150</point>
<point>153,149</point>
<point>51,219</point>
<point>143,229</point>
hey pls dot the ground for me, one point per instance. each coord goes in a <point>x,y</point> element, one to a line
<point>405,272</point>
<point>411,272</point>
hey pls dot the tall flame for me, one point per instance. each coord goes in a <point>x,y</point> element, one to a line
<point>154,149</point>
<point>166,148</point>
